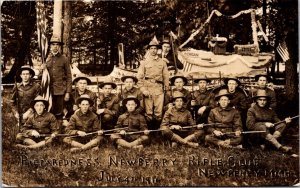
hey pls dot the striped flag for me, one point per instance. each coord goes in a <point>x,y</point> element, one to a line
<point>283,51</point>
<point>43,46</point>
<point>41,28</point>
<point>187,67</point>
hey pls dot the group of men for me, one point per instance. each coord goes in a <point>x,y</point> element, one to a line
<point>147,103</point>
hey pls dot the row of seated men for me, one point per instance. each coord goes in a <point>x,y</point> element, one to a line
<point>94,116</point>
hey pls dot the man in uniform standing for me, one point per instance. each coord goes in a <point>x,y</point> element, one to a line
<point>60,77</point>
<point>153,78</point>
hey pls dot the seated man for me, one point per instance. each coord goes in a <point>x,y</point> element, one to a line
<point>130,90</point>
<point>262,80</point>
<point>174,121</point>
<point>81,123</point>
<point>42,122</point>
<point>178,81</point>
<point>203,100</point>
<point>107,105</point>
<point>132,121</point>
<point>261,118</point>
<point>228,132</point>
<point>81,84</point>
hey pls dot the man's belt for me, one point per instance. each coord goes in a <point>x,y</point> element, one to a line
<point>153,80</point>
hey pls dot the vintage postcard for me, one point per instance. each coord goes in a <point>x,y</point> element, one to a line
<point>150,93</point>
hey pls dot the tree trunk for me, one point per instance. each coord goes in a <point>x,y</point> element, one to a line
<point>27,28</point>
<point>67,30</point>
<point>291,68</point>
<point>57,18</point>
<point>112,19</point>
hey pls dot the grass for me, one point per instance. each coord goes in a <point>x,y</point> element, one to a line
<point>152,166</point>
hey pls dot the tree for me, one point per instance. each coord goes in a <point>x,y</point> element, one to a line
<point>23,17</point>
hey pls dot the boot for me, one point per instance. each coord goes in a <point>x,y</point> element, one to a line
<point>136,142</point>
<point>123,143</point>
<point>178,139</point>
<point>193,144</point>
<point>285,149</point>
<point>273,141</point>
<point>190,138</point>
<point>276,134</point>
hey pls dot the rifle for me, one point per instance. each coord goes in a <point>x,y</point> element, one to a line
<point>193,98</point>
<point>97,107</point>
<point>137,132</point>
<point>95,132</point>
<point>18,107</point>
<point>284,120</point>
<point>207,124</point>
<point>174,57</point>
<point>44,135</point>
<point>246,132</point>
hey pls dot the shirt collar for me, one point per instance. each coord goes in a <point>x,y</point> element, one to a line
<point>42,115</point>
<point>81,114</point>
<point>30,83</point>
<point>228,108</point>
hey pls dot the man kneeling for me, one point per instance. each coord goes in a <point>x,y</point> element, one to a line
<point>227,119</point>
<point>81,123</point>
<point>40,129</point>
<point>174,121</point>
<point>131,121</point>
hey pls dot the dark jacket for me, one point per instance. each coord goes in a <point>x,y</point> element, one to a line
<point>26,94</point>
<point>229,117</point>
<point>259,116</point>
<point>83,122</point>
<point>60,74</point>
<point>171,64</point>
<point>45,123</point>
<point>134,121</point>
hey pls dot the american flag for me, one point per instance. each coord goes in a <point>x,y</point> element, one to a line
<point>283,51</point>
<point>43,46</point>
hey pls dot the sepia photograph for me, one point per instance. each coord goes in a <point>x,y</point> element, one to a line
<point>150,93</point>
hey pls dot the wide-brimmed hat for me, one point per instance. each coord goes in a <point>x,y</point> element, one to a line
<point>269,78</point>
<point>223,92</point>
<point>261,93</point>
<point>136,100</point>
<point>165,41</point>
<point>153,42</point>
<point>40,99</point>
<point>232,78</point>
<point>82,78</point>
<point>108,82</point>
<point>172,80</point>
<point>132,77</point>
<point>26,67</point>
<point>56,39</point>
<point>178,94</point>
<point>203,77</point>
<point>85,97</point>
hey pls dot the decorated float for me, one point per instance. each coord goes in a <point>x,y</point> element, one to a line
<point>245,62</point>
